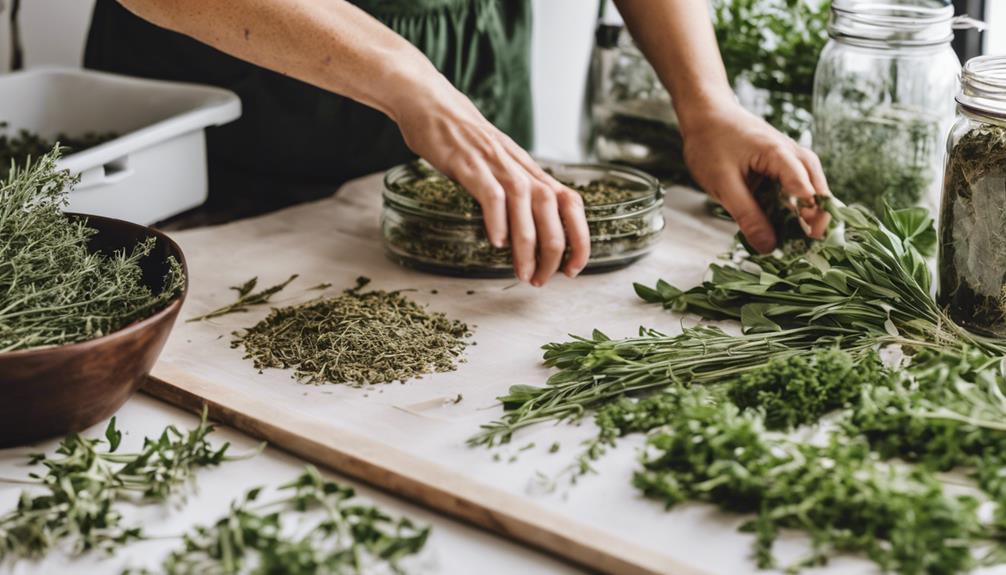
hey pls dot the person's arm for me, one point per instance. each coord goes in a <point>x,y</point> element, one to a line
<point>726,148</point>
<point>338,47</point>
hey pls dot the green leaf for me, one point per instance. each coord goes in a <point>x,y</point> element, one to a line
<point>113,435</point>
<point>647,294</point>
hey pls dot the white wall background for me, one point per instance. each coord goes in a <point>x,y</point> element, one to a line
<point>54,32</point>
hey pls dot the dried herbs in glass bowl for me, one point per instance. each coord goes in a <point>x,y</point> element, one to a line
<point>431,223</point>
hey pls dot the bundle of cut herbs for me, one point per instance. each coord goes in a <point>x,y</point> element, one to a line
<point>54,290</point>
<point>863,289</point>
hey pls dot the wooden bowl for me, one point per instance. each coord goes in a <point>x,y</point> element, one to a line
<point>57,390</point>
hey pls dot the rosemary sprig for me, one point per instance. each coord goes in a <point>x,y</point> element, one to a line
<point>246,298</point>
<point>85,484</point>
<point>336,533</point>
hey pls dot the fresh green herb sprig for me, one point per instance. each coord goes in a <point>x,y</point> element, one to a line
<point>870,275</point>
<point>53,289</point>
<point>599,370</point>
<point>246,298</point>
<point>840,494</point>
<point>84,486</point>
<point>337,534</point>
<point>359,337</point>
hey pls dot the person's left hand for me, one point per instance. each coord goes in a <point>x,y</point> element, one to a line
<point>728,151</point>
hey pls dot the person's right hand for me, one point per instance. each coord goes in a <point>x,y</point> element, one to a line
<point>520,202</point>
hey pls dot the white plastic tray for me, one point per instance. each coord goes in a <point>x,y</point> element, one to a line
<point>156,168</point>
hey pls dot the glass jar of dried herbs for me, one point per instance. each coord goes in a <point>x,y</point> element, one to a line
<point>883,101</point>
<point>431,223</point>
<point>972,254</point>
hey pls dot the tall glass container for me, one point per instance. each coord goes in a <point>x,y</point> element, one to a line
<point>884,100</point>
<point>629,116</point>
<point>972,254</point>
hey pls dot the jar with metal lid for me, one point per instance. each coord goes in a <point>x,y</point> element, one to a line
<point>884,100</point>
<point>972,253</point>
<point>432,224</point>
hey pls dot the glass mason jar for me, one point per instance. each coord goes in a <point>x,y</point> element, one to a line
<point>431,224</point>
<point>972,254</point>
<point>629,117</point>
<point>884,101</point>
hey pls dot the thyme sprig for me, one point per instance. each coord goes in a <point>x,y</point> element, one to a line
<point>337,533</point>
<point>53,289</point>
<point>246,298</point>
<point>84,485</point>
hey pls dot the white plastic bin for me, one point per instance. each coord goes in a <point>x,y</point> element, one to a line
<point>156,168</point>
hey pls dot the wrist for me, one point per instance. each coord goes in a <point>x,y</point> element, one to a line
<point>697,110</point>
<point>410,80</point>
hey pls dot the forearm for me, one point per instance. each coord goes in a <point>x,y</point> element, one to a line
<point>333,45</point>
<point>677,38</point>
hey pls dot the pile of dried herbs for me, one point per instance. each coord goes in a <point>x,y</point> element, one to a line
<point>20,148</point>
<point>53,289</point>
<point>972,263</point>
<point>359,337</point>
<point>880,156</point>
<point>440,226</point>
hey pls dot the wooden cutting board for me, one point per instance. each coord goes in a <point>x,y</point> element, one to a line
<point>409,439</point>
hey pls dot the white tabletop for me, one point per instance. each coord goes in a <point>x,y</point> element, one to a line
<point>452,548</point>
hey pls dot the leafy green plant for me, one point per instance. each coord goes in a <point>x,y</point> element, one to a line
<point>840,494</point>
<point>84,485</point>
<point>774,45</point>
<point>53,289</point>
<point>336,533</point>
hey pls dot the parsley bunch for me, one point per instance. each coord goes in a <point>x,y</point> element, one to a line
<point>840,494</point>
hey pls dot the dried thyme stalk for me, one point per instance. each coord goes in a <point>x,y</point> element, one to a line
<point>246,298</point>
<point>53,289</point>
<point>356,338</point>
<point>336,534</point>
<point>972,263</point>
<point>88,481</point>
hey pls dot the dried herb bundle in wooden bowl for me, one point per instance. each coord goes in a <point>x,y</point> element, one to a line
<point>86,303</point>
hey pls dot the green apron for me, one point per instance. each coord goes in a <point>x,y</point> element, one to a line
<point>293,133</point>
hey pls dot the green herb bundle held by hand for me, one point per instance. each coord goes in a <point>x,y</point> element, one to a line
<point>359,337</point>
<point>53,289</point>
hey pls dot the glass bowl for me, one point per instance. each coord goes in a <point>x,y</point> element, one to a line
<point>431,224</point>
